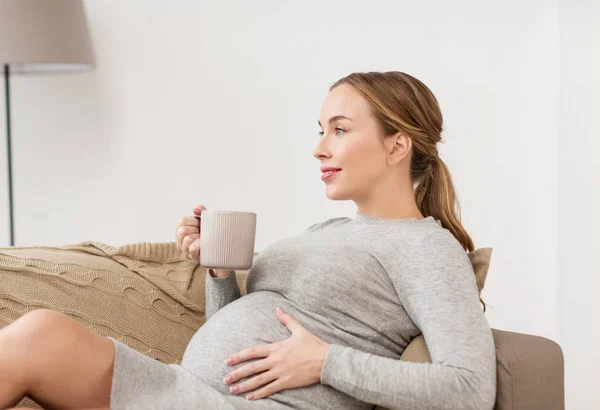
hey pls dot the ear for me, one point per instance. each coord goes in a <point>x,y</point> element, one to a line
<point>398,146</point>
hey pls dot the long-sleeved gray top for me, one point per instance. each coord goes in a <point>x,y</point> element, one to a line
<point>367,286</point>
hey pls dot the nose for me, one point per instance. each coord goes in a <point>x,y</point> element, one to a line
<point>321,151</point>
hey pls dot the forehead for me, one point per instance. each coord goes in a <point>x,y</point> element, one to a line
<point>344,100</point>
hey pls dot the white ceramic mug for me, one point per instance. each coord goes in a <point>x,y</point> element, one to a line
<point>227,239</point>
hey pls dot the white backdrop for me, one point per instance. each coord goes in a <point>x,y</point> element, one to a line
<point>579,200</point>
<point>218,104</point>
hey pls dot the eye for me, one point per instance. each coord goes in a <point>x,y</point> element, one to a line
<point>320,133</point>
<point>339,131</point>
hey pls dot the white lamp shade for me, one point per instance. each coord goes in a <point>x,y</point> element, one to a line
<point>42,36</point>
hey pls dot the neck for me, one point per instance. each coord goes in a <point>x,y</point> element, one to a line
<point>392,201</point>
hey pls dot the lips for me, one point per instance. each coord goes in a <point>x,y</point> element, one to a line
<point>329,174</point>
<point>328,169</point>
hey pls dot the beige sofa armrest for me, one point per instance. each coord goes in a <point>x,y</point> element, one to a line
<point>530,372</point>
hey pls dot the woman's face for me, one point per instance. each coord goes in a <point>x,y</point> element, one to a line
<point>351,141</point>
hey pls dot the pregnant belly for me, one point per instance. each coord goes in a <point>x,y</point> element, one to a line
<point>247,322</point>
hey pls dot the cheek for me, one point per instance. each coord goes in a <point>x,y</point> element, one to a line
<point>360,167</point>
<point>362,161</point>
<point>352,154</point>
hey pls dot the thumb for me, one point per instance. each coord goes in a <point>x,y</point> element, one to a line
<point>199,209</point>
<point>289,321</point>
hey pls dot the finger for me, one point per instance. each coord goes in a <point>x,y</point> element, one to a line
<point>184,231</point>
<point>289,321</point>
<point>250,353</point>
<point>186,253</point>
<point>198,209</point>
<point>185,221</point>
<point>194,250</point>
<point>187,242</point>
<point>248,370</point>
<point>271,388</point>
<point>189,239</point>
<point>254,383</point>
<point>189,221</point>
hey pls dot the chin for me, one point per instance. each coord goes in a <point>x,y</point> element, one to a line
<point>336,194</point>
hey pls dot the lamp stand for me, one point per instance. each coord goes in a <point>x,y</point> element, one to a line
<point>9,151</point>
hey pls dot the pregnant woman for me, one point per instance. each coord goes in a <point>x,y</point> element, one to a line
<point>353,292</point>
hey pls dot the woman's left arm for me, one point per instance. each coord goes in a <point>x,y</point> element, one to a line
<point>436,285</point>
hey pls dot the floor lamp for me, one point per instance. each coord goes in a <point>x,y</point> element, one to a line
<point>40,36</point>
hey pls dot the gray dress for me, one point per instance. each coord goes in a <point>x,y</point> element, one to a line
<point>367,286</point>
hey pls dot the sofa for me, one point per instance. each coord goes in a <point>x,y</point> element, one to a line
<point>148,297</point>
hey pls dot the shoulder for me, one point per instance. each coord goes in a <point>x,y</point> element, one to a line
<point>425,246</point>
<point>423,236</point>
<point>328,223</point>
<point>440,245</point>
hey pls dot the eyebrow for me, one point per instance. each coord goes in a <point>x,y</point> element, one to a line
<point>335,118</point>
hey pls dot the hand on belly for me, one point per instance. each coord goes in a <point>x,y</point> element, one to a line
<point>288,364</point>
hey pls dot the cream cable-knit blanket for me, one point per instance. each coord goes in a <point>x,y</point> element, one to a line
<point>144,294</point>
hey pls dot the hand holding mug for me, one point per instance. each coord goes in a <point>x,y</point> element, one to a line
<point>228,239</point>
<point>187,234</point>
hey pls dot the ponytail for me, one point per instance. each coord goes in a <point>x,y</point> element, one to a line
<point>435,197</point>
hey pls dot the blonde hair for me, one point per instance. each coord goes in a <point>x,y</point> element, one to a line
<point>401,103</point>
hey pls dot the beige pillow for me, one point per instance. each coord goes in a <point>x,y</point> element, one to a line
<point>480,259</point>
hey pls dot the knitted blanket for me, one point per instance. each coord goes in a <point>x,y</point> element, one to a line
<point>143,294</point>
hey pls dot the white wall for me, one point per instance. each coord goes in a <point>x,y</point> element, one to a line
<point>579,200</point>
<point>196,102</point>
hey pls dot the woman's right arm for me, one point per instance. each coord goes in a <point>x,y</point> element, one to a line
<point>221,284</point>
<point>220,291</point>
